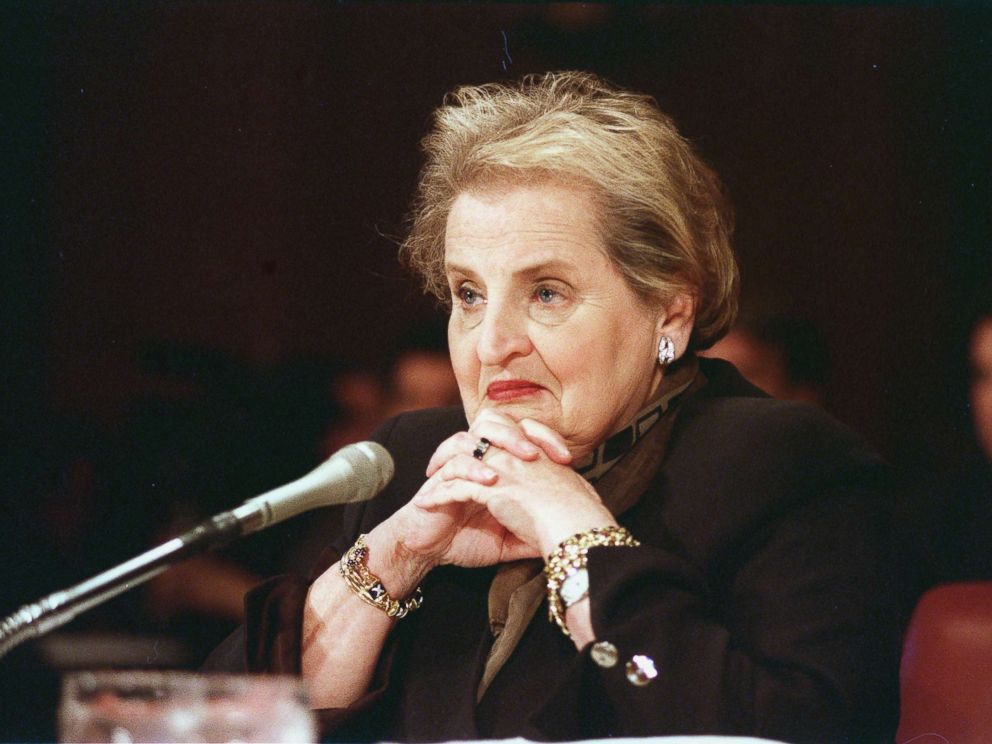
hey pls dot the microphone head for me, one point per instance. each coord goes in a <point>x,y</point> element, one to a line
<point>354,473</point>
<point>372,468</point>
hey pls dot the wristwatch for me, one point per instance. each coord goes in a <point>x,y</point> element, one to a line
<point>574,588</point>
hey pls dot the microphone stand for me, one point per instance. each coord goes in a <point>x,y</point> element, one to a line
<point>57,609</point>
<point>355,473</point>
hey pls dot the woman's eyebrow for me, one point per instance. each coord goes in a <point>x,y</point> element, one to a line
<point>552,266</point>
<point>455,268</point>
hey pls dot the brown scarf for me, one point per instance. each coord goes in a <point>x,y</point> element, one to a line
<point>519,588</point>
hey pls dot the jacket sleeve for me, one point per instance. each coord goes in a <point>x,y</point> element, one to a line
<point>782,626</point>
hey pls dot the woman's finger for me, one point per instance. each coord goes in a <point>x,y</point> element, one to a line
<point>548,439</point>
<point>450,491</point>
<point>515,549</point>
<point>468,468</point>
<point>505,436</point>
<point>457,444</point>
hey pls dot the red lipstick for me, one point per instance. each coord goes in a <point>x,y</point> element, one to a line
<point>511,389</point>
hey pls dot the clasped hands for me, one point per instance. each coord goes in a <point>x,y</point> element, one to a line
<point>520,501</point>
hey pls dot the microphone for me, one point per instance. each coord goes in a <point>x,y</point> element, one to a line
<point>354,473</point>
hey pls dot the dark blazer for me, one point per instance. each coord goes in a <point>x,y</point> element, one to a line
<point>761,593</point>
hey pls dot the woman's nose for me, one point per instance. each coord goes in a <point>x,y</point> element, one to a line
<point>503,335</point>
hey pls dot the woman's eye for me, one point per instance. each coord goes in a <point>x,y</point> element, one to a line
<point>548,296</point>
<point>469,297</point>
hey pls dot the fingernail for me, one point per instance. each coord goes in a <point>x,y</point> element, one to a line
<point>529,448</point>
<point>490,474</point>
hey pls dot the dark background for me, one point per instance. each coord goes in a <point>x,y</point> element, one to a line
<point>232,177</point>
<point>233,174</point>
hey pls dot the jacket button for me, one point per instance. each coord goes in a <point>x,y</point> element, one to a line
<point>605,654</point>
<point>641,670</point>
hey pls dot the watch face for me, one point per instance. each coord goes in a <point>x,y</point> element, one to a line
<point>575,587</point>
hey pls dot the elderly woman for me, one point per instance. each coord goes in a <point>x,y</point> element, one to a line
<point>610,537</point>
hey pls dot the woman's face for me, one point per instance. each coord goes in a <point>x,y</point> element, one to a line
<point>543,325</point>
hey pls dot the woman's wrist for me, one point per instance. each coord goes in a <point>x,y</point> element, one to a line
<point>578,618</point>
<point>400,570</point>
<point>564,529</point>
<point>568,579</point>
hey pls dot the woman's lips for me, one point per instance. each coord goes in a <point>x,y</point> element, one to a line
<point>510,389</point>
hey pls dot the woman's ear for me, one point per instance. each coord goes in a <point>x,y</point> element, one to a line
<point>676,321</point>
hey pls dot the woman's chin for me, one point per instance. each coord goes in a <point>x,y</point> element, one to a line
<point>529,407</point>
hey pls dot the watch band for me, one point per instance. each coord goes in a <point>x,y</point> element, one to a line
<point>570,557</point>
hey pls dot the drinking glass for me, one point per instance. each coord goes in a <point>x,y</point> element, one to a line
<point>164,706</point>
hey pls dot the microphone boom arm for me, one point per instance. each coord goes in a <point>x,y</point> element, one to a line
<point>57,609</point>
<point>355,473</point>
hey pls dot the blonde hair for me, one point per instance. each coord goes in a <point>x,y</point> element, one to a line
<point>666,223</point>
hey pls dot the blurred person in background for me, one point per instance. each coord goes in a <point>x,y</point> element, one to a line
<point>946,523</point>
<point>361,399</point>
<point>786,357</point>
<point>610,536</point>
<point>980,397</point>
<point>416,375</point>
<point>210,432</point>
<point>419,373</point>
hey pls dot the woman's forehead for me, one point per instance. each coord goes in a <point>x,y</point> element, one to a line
<point>531,224</point>
<point>550,201</point>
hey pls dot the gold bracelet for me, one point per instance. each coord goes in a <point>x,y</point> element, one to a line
<point>354,568</point>
<point>570,557</point>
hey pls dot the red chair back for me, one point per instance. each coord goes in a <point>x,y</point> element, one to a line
<point>946,672</point>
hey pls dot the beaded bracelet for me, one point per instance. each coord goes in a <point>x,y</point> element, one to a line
<point>570,557</point>
<point>354,568</point>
